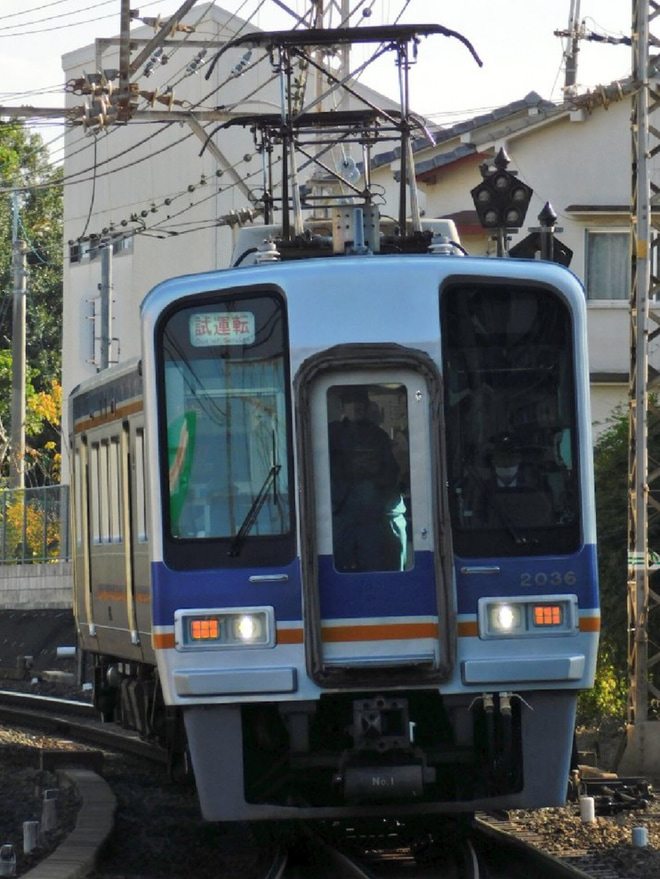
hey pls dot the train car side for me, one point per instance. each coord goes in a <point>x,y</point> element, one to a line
<point>112,595</point>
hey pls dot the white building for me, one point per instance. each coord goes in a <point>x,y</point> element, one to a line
<point>157,180</point>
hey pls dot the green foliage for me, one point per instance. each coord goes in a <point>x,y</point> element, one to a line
<point>611,475</point>
<point>609,696</point>
<point>24,164</point>
<point>611,452</point>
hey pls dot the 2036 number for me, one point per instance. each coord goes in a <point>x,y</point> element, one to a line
<point>540,579</point>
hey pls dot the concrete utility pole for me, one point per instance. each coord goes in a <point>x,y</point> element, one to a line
<point>571,55</point>
<point>18,382</point>
<point>329,14</point>
<point>106,288</point>
<point>642,753</point>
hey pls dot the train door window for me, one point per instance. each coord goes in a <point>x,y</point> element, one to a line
<point>369,477</point>
<point>225,428</point>
<point>115,492</point>
<point>95,491</point>
<point>104,501</point>
<point>140,488</point>
<point>78,476</point>
<point>511,422</point>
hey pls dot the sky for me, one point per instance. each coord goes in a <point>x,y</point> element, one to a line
<point>514,39</point>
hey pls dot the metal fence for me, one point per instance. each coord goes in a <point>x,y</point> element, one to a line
<point>34,525</point>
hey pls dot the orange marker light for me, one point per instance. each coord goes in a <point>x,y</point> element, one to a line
<point>548,615</point>
<point>204,630</point>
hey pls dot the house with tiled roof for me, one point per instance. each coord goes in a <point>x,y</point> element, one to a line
<point>575,156</point>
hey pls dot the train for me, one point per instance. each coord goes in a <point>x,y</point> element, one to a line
<point>334,541</point>
<point>242,602</point>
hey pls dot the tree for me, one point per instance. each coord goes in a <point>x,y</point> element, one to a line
<point>25,167</point>
<point>611,473</point>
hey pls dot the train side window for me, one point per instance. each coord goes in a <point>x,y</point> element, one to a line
<point>369,477</point>
<point>140,488</point>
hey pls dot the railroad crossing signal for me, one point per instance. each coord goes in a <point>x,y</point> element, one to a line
<point>501,199</point>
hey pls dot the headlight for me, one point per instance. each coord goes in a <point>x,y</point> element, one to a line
<point>248,628</point>
<point>505,618</point>
<point>528,617</point>
<point>226,627</point>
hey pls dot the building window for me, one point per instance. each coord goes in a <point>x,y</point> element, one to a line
<point>608,264</point>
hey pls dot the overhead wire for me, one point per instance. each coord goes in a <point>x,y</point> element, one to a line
<point>33,9</point>
<point>91,203</point>
<point>95,166</point>
<point>77,177</point>
<point>72,178</point>
<point>168,200</point>
<point>28,240</point>
<point>70,24</point>
<point>54,17</point>
<point>217,88</point>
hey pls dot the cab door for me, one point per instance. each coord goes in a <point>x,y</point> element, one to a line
<point>376,579</point>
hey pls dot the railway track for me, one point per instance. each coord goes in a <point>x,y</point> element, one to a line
<point>311,853</point>
<point>504,839</point>
<point>493,846</point>
<point>456,850</point>
<point>79,720</point>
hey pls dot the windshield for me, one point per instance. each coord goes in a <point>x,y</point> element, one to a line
<point>225,422</point>
<point>510,415</point>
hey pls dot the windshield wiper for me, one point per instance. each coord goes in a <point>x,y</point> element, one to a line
<point>252,514</point>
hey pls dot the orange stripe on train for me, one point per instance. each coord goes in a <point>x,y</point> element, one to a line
<point>466,629</point>
<point>470,628</point>
<point>118,595</point>
<point>380,632</point>
<point>120,412</point>
<point>394,632</point>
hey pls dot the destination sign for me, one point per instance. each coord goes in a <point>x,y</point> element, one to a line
<point>210,328</point>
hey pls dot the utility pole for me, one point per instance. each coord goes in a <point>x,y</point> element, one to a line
<point>575,32</point>
<point>571,54</point>
<point>642,753</point>
<point>106,289</point>
<point>19,260</point>
<point>324,18</point>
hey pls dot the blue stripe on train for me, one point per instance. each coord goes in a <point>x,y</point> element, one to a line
<point>378,593</point>
<point>343,596</point>
<point>346,596</point>
<point>172,590</point>
<point>540,575</point>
